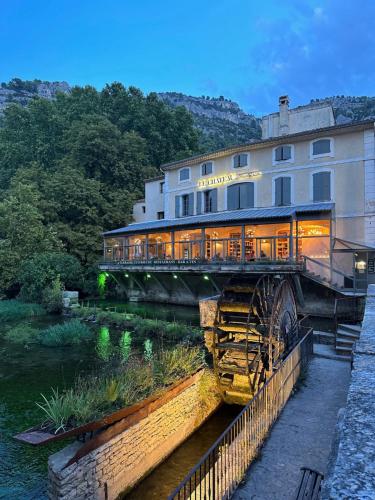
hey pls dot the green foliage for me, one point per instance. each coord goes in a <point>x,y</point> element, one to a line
<point>71,332</point>
<point>71,168</point>
<point>15,309</point>
<point>48,271</point>
<point>147,353</point>
<point>117,386</point>
<point>52,296</point>
<point>58,408</point>
<point>22,334</point>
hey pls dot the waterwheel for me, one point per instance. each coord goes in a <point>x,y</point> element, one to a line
<point>255,327</point>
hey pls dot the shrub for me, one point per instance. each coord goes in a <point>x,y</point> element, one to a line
<point>15,309</point>
<point>69,333</point>
<point>177,363</point>
<point>22,334</point>
<point>52,297</point>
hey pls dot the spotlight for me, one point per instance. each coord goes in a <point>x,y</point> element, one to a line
<point>126,275</point>
<point>205,277</point>
<point>148,276</point>
<point>175,276</point>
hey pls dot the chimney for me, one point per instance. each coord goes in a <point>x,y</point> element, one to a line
<point>284,114</point>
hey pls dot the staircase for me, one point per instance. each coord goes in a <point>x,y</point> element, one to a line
<point>346,335</point>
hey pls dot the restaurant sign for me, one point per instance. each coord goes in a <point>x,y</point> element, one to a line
<point>224,179</point>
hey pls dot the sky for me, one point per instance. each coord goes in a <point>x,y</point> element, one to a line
<point>250,51</point>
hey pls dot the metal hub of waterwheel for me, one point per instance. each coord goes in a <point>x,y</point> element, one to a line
<point>255,327</point>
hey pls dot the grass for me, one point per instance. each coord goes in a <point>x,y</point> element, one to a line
<point>143,328</point>
<point>71,332</point>
<point>15,309</point>
<point>117,386</point>
<point>22,334</point>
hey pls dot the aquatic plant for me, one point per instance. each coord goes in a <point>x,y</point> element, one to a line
<point>147,353</point>
<point>71,332</point>
<point>125,345</point>
<point>119,385</point>
<point>22,334</point>
<point>58,409</point>
<point>15,309</point>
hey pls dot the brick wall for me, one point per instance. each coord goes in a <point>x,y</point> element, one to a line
<point>119,464</point>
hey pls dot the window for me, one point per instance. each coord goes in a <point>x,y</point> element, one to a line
<point>321,147</point>
<point>283,191</point>
<point>240,196</point>
<point>161,188</point>
<point>240,160</point>
<point>206,168</point>
<point>184,174</point>
<point>210,200</point>
<point>143,209</point>
<point>184,205</point>
<point>283,153</point>
<point>322,186</point>
<point>160,215</point>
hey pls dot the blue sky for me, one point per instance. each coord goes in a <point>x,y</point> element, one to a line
<point>249,51</point>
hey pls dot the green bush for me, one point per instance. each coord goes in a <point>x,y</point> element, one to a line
<point>15,309</point>
<point>118,386</point>
<point>52,297</point>
<point>22,334</point>
<point>69,333</point>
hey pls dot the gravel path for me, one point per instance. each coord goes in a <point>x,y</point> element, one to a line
<point>301,436</point>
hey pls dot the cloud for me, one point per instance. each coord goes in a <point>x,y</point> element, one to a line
<point>307,58</point>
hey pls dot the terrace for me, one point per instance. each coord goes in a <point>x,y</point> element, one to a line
<point>250,240</point>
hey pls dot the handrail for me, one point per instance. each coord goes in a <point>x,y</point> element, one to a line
<point>326,266</point>
<point>242,423</point>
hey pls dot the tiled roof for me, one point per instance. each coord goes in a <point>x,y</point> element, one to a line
<point>227,216</point>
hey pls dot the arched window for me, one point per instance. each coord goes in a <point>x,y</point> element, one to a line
<point>321,147</point>
<point>283,191</point>
<point>240,196</point>
<point>240,160</point>
<point>322,186</point>
<point>184,174</point>
<point>283,153</point>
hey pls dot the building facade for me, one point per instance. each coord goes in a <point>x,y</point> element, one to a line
<point>303,195</point>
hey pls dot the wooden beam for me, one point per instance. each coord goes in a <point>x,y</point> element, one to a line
<point>299,292</point>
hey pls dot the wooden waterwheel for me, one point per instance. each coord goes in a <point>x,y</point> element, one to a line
<point>255,327</point>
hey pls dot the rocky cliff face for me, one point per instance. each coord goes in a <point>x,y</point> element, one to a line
<point>22,92</point>
<point>349,108</point>
<point>222,121</point>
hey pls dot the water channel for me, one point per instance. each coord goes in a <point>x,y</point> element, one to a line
<point>26,373</point>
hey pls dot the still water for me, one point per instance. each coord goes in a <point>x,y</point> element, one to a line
<point>26,373</point>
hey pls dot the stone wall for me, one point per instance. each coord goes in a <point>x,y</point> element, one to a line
<point>352,471</point>
<point>119,464</point>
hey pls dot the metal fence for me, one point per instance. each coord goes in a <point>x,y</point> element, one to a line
<point>220,470</point>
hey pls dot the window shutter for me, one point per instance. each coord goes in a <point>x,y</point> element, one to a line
<point>233,197</point>
<point>287,152</point>
<point>246,195</point>
<point>243,159</point>
<point>278,191</point>
<point>191,204</point>
<point>287,194</point>
<point>278,153</point>
<point>177,206</point>
<point>326,186</point>
<point>322,146</point>
<point>213,195</point>
<point>199,202</point>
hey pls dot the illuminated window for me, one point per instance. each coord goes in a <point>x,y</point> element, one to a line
<point>240,160</point>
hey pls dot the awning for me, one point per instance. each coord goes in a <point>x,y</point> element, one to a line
<point>249,214</point>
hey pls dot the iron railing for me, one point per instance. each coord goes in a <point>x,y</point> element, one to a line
<point>220,470</point>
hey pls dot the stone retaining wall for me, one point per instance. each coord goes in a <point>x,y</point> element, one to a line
<point>119,464</point>
<point>352,473</point>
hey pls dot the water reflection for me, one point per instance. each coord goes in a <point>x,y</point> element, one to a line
<point>103,344</point>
